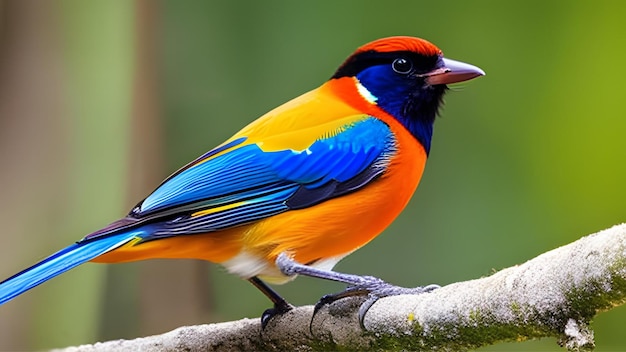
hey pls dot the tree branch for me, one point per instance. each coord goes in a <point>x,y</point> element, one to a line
<point>555,294</point>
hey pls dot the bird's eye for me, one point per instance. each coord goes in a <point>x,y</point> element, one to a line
<point>402,66</point>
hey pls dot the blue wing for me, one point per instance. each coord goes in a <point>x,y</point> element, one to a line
<point>240,183</point>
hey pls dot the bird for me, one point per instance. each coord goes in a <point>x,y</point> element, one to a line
<point>296,190</point>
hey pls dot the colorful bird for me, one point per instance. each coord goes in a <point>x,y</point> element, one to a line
<point>296,190</point>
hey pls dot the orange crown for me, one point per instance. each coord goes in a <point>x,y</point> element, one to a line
<point>401,43</point>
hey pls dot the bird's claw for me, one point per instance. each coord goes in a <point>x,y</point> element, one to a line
<point>374,289</point>
<point>268,314</point>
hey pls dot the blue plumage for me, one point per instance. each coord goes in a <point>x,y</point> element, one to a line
<point>418,113</point>
<point>61,262</point>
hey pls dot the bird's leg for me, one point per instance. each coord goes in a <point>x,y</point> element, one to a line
<point>372,287</point>
<point>281,306</point>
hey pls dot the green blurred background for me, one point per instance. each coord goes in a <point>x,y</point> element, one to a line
<point>100,100</point>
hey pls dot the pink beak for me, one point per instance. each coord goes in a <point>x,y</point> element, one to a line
<point>453,72</point>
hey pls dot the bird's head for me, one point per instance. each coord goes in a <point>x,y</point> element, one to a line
<point>407,78</point>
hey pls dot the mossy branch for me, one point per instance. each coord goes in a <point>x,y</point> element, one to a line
<point>555,294</point>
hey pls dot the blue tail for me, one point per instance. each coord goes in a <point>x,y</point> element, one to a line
<point>61,262</point>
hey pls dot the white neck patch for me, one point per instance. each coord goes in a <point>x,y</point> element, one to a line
<point>366,94</point>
